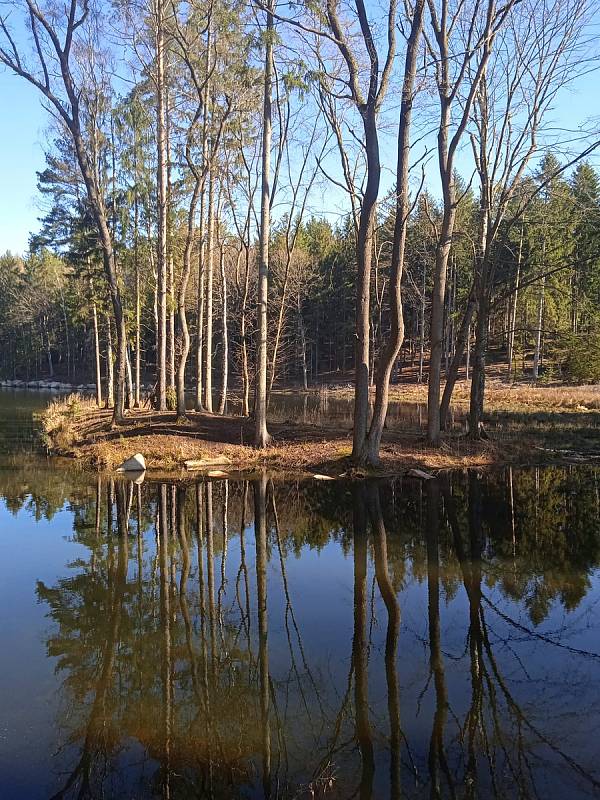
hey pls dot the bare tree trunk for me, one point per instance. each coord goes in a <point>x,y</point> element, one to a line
<point>513,311</point>
<point>128,380</point>
<point>422,326</point>
<point>468,358</point>
<point>225,362</point>
<point>364,257</point>
<point>197,192</point>
<point>46,345</point>
<point>201,229</point>
<point>462,342</point>
<point>483,271</point>
<point>181,301</point>
<point>537,355</point>
<point>136,265</point>
<point>110,377</point>
<point>261,434</point>
<point>200,316</point>
<point>138,323</point>
<point>171,323</point>
<point>436,334</point>
<point>209,293</point>
<point>478,379</point>
<point>161,180</point>
<point>96,350</point>
<point>243,335</point>
<point>302,333</point>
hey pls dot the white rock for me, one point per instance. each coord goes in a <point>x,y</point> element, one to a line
<point>319,477</point>
<point>136,463</point>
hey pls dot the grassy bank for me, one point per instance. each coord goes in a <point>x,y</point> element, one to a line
<point>527,425</point>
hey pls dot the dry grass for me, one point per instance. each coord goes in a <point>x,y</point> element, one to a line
<point>519,397</point>
<point>502,396</point>
<point>61,420</point>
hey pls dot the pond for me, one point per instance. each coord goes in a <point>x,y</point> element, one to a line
<point>296,639</point>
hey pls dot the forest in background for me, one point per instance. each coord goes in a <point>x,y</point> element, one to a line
<point>252,195</point>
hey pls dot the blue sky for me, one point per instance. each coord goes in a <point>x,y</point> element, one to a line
<point>22,131</point>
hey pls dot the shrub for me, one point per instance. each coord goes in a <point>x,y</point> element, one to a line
<point>171,398</point>
<point>59,430</point>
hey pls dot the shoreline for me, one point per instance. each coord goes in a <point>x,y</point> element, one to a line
<point>75,428</point>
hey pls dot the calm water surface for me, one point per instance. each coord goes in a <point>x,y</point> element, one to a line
<point>253,639</point>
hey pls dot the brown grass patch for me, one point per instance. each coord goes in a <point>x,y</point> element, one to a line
<point>166,443</point>
<point>506,397</point>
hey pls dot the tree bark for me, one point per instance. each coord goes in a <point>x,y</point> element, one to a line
<point>161,180</point>
<point>96,351</point>
<point>225,361</point>
<point>243,334</point>
<point>478,367</point>
<point>537,355</point>
<point>210,246</point>
<point>110,380</point>
<point>172,305</point>
<point>459,351</point>
<point>261,434</point>
<point>436,333</point>
<point>513,310</point>
<point>302,332</point>
<point>364,258</point>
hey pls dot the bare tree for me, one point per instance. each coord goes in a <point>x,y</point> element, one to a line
<point>199,156</point>
<point>261,434</point>
<point>368,101</point>
<point>536,57</point>
<point>162,147</point>
<point>387,360</point>
<point>459,40</point>
<point>225,332</point>
<point>299,191</point>
<point>241,186</point>
<point>60,59</point>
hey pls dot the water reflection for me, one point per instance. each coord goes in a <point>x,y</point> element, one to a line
<point>258,639</point>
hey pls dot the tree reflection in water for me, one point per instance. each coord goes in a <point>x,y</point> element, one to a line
<point>197,665</point>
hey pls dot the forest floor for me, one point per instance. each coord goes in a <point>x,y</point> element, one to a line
<point>525,425</point>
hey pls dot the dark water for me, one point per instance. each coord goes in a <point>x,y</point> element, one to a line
<point>237,639</point>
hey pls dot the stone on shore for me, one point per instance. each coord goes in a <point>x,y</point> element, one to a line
<point>136,463</point>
